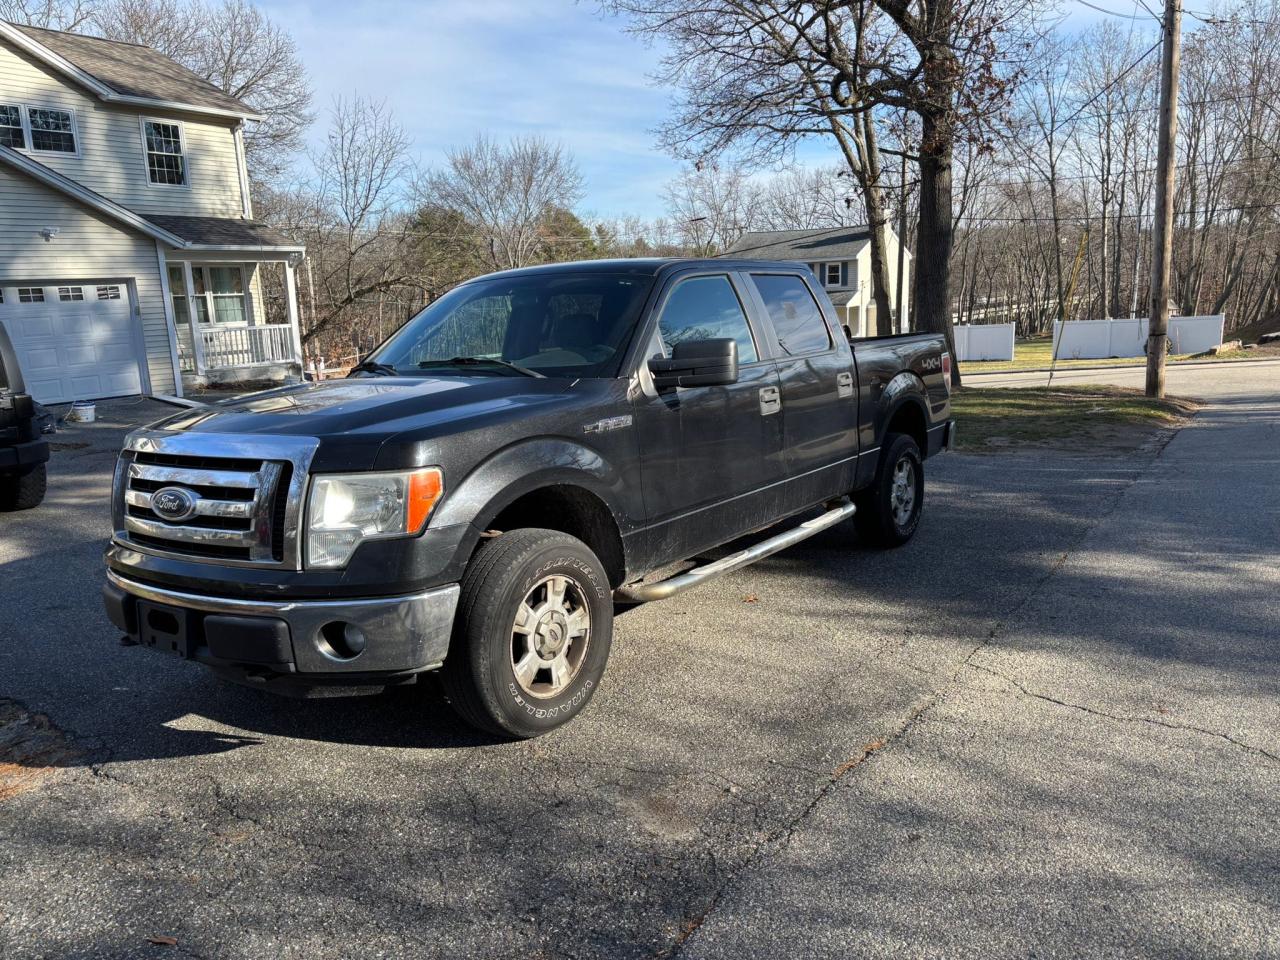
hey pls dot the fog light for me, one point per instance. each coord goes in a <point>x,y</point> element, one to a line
<point>354,638</point>
<point>342,641</point>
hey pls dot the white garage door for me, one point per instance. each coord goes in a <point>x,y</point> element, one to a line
<point>75,340</point>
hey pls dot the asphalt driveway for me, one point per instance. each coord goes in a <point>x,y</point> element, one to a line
<point>1048,727</point>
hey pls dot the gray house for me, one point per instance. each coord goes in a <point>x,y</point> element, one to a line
<point>841,260</point>
<point>129,256</point>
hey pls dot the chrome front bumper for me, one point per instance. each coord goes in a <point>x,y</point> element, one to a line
<point>405,634</point>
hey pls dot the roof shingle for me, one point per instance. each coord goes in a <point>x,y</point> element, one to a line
<point>133,70</point>
<point>222,232</point>
<point>806,246</point>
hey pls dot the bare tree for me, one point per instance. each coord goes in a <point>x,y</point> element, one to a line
<point>357,235</point>
<point>53,14</point>
<point>237,48</point>
<point>508,192</point>
<point>711,207</point>
<point>756,77</point>
<point>807,199</point>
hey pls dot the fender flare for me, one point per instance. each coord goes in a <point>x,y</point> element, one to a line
<point>525,466</point>
<point>904,389</point>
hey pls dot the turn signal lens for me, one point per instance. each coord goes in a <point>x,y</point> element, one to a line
<point>425,488</point>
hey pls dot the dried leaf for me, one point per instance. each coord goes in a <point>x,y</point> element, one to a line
<point>161,940</point>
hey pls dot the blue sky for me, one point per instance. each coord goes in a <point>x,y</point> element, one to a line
<point>451,70</point>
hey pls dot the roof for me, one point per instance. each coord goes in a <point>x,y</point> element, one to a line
<point>125,72</point>
<point>635,266</point>
<point>223,232</point>
<point>839,243</point>
<point>178,232</point>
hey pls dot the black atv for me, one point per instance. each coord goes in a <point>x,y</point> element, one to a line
<point>23,450</point>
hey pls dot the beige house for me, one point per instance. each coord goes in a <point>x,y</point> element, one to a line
<point>841,260</point>
<point>129,256</point>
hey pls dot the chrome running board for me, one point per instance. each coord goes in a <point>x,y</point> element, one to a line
<point>644,592</point>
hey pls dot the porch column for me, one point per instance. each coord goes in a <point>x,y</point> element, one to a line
<point>291,305</point>
<point>193,319</point>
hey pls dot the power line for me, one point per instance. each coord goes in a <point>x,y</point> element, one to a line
<point>1114,13</point>
<point>1089,217</point>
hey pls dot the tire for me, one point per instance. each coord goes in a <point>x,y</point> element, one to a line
<point>25,491</point>
<point>881,519</point>
<point>523,679</point>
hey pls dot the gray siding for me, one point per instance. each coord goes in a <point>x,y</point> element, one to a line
<point>87,247</point>
<point>111,160</point>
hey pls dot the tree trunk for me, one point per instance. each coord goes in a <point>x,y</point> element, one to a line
<point>936,235</point>
<point>868,173</point>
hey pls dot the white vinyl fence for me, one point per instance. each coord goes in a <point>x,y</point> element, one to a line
<point>1099,339</point>
<point>984,341</point>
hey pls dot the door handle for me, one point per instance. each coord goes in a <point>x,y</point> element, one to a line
<point>770,400</point>
<point>844,384</point>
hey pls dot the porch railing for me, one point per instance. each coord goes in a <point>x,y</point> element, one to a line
<point>226,348</point>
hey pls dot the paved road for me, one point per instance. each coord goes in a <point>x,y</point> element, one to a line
<point>1045,728</point>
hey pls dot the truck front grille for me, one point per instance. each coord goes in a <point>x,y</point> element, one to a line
<point>216,508</point>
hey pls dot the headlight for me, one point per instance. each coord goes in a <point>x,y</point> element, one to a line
<point>345,509</point>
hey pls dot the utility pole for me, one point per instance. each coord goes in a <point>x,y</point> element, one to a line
<point>902,242</point>
<point>1162,239</point>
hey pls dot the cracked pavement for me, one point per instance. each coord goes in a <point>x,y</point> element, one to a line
<point>1048,727</point>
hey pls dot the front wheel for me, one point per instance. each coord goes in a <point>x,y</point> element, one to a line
<point>532,636</point>
<point>889,510</point>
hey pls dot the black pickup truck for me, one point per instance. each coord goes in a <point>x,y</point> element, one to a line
<point>528,450</point>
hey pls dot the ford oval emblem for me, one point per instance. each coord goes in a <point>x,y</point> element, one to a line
<point>174,503</point>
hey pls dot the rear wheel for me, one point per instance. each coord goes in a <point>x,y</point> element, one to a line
<point>532,636</point>
<point>889,510</point>
<point>25,491</point>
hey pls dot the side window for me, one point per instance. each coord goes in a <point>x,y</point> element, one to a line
<point>796,318</point>
<point>52,130</point>
<point>11,131</point>
<point>165,162</point>
<point>706,308</point>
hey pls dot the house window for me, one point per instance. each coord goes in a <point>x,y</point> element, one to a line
<point>165,162</point>
<point>31,295</point>
<point>52,131</point>
<point>219,294</point>
<point>11,132</point>
<point>833,275</point>
<point>109,293</point>
<point>70,294</point>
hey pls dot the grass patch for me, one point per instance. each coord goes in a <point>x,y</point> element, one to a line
<point>1265,351</point>
<point>1037,354</point>
<point>1085,419</point>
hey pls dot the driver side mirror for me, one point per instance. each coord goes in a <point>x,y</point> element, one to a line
<point>697,363</point>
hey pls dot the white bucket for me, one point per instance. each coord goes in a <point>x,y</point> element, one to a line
<point>83,411</point>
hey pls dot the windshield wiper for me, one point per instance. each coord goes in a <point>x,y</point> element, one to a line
<point>480,361</point>
<point>373,366</point>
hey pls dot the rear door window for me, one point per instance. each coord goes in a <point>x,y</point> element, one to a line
<point>797,321</point>
<point>706,308</point>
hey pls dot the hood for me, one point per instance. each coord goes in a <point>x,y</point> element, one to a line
<point>352,418</point>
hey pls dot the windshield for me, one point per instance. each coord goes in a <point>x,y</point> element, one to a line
<point>553,324</point>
